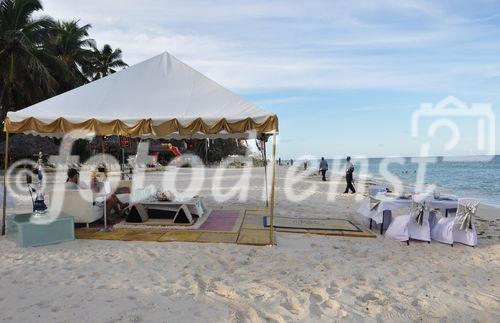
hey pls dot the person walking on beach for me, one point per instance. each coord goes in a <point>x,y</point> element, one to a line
<point>323,167</point>
<point>348,176</point>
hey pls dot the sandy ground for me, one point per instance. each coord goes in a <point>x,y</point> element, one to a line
<point>303,278</point>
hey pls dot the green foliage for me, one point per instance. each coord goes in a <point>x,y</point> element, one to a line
<point>69,42</point>
<point>41,57</point>
<point>104,62</point>
<point>27,69</point>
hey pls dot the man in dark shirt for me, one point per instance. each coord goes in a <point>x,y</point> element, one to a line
<point>348,176</point>
<point>323,167</point>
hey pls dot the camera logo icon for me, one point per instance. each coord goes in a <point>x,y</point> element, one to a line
<point>455,129</point>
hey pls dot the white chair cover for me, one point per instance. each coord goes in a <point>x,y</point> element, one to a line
<point>443,230</point>
<point>418,225</point>
<point>398,229</point>
<point>369,208</point>
<point>464,230</point>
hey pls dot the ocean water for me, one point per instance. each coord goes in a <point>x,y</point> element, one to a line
<point>468,177</point>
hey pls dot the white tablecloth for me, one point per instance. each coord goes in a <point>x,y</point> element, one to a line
<point>390,203</point>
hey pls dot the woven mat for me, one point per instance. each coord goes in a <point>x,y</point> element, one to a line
<point>224,228</point>
<point>312,224</point>
<point>216,221</point>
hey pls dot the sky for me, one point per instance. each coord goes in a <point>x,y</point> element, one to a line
<point>344,77</point>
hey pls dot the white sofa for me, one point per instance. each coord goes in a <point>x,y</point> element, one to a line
<point>80,204</point>
<point>77,203</point>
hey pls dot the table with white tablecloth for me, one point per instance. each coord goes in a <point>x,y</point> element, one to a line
<point>387,203</point>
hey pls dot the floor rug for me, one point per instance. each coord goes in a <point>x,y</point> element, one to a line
<point>312,224</point>
<point>223,221</point>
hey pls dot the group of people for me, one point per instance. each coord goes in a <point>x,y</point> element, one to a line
<point>349,170</point>
<point>112,201</point>
<point>288,162</point>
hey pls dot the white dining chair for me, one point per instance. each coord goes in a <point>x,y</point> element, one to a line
<point>458,227</point>
<point>398,229</point>
<point>419,227</point>
<point>442,230</point>
<point>414,225</point>
<point>464,230</point>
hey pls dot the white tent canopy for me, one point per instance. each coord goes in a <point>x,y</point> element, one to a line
<point>159,98</point>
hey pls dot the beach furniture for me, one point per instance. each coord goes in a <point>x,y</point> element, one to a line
<point>144,212</point>
<point>76,203</point>
<point>460,227</point>
<point>373,190</point>
<point>419,227</point>
<point>168,212</point>
<point>398,229</point>
<point>382,213</point>
<point>27,233</point>
<point>414,225</point>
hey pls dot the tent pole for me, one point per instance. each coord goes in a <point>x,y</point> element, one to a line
<point>206,151</point>
<point>103,151</point>
<point>265,175</point>
<point>6,164</point>
<point>271,226</point>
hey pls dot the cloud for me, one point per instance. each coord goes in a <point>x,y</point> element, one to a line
<point>310,45</point>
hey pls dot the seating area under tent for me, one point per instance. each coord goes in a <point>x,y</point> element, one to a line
<point>160,98</point>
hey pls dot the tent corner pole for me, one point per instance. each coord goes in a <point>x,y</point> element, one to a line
<point>265,175</point>
<point>103,148</point>
<point>273,184</point>
<point>6,165</point>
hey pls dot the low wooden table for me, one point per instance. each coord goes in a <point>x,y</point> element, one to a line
<point>28,234</point>
<point>195,206</point>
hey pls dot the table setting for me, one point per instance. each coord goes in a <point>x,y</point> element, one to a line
<point>374,206</point>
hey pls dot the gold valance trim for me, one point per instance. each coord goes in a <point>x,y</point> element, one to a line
<point>144,127</point>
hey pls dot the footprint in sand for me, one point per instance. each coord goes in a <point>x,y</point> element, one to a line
<point>367,298</point>
<point>292,304</point>
<point>321,303</point>
<point>135,319</point>
<point>333,290</point>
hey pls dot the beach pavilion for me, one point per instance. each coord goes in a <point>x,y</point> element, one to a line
<point>160,98</point>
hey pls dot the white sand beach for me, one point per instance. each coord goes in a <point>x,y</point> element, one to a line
<point>303,278</point>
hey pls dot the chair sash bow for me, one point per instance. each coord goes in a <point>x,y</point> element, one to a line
<point>419,209</point>
<point>464,216</point>
<point>374,204</point>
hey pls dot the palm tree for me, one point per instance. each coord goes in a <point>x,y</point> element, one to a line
<point>105,62</point>
<point>70,43</point>
<point>27,70</point>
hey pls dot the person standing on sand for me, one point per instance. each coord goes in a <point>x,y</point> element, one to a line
<point>349,169</point>
<point>323,167</point>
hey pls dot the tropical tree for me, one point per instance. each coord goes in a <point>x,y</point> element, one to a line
<point>27,69</point>
<point>70,43</point>
<point>104,62</point>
